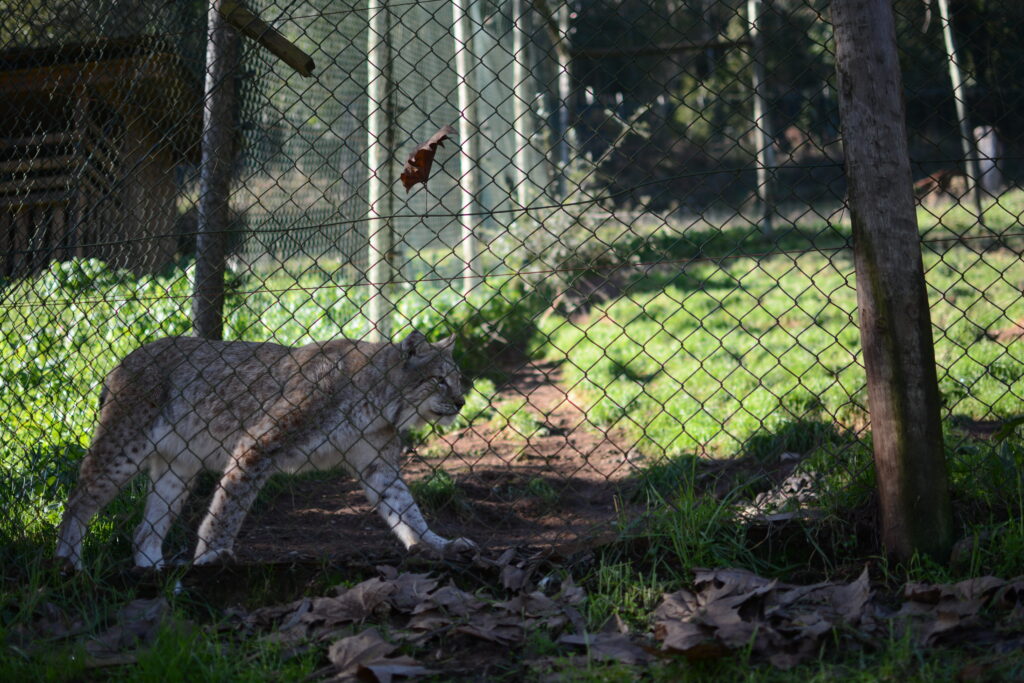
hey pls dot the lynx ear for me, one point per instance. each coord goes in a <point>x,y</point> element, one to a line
<point>411,344</point>
<point>446,344</point>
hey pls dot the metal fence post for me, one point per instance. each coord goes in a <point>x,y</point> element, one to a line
<point>380,191</point>
<point>214,177</point>
<point>468,142</point>
<point>895,326</point>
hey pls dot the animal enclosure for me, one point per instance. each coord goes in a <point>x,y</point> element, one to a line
<point>638,231</point>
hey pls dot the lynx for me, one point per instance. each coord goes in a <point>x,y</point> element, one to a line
<point>181,405</point>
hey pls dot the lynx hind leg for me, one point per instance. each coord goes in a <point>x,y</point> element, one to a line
<point>119,449</point>
<point>384,488</point>
<point>236,491</point>
<point>171,481</point>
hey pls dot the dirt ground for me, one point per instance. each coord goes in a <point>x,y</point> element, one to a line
<point>556,489</point>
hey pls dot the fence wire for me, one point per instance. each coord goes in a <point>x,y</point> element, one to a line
<point>626,282</point>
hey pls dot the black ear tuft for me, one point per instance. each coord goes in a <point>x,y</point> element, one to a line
<point>411,344</point>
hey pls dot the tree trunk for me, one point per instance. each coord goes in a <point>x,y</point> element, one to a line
<point>469,137</point>
<point>762,135</point>
<point>214,177</point>
<point>380,143</point>
<point>895,328</point>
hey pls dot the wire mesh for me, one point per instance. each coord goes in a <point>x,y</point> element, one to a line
<point>643,256</point>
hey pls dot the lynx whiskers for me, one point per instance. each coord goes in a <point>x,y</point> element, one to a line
<point>181,405</point>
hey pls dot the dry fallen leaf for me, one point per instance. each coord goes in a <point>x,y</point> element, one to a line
<point>411,590</point>
<point>366,654</point>
<point>851,600</point>
<point>734,609</point>
<point>383,670</point>
<point>135,626</point>
<point>352,605</point>
<point>451,600</point>
<point>691,640</point>
<point>609,646</point>
<point>503,629</point>
<point>367,646</point>
<point>534,604</point>
<point>417,167</point>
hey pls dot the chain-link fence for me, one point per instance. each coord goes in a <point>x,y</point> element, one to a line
<point>636,234</point>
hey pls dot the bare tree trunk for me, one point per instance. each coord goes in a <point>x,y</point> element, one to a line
<point>380,187</point>
<point>214,177</point>
<point>960,101</point>
<point>762,134</point>
<point>468,143</point>
<point>895,328</point>
<point>565,139</point>
<point>520,105</point>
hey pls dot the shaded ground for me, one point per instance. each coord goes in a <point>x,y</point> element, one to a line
<point>554,487</point>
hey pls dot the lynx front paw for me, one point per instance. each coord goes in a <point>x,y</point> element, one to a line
<point>218,556</point>
<point>437,545</point>
<point>63,566</point>
<point>460,545</point>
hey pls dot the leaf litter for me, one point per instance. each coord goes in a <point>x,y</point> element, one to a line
<point>785,624</point>
<point>376,629</point>
<point>725,611</point>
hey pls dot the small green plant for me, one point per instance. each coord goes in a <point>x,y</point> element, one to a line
<point>685,526</point>
<point>517,421</point>
<point>541,490</point>
<point>626,590</point>
<point>439,492</point>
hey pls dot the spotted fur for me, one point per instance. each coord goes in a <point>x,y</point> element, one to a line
<point>181,405</point>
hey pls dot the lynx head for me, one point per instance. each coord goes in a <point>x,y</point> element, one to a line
<point>432,383</point>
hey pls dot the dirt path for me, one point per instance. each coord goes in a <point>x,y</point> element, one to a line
<point>557,486</point>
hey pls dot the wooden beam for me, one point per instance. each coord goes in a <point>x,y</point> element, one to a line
<point>655,50</point>
<point>243,19</point>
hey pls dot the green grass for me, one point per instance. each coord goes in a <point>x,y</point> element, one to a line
<point>439,492</point>
<point>704,359</point>
<point>181,649</point>
<point>731,351</point>
<point>755,357</point>
<point>517,421</point>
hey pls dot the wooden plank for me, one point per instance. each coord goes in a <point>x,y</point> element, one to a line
<point>44,163</point>
<point>20,250</point>
<point>65,239</point>
<point>40,140</point>
<point>6,242</point>
<point>98,143</point>
<point>18,201</point>
<point>108,73</point>
<point>45,248</point>
<point>29,185</point>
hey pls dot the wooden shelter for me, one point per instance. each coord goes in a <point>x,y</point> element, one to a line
<point>91,140</point>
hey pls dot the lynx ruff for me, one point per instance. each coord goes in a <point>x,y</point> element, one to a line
<point>181,405</point>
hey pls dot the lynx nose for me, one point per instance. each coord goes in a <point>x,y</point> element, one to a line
<point>459,401</point>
